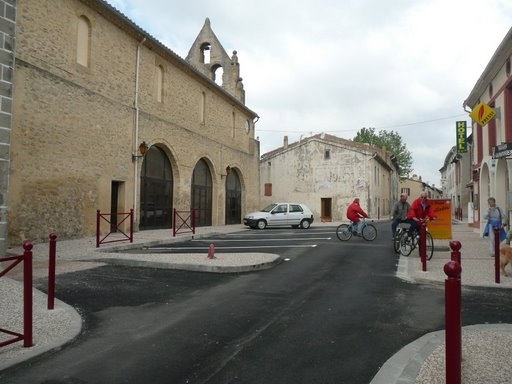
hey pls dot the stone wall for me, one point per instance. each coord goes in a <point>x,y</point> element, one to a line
<point>75,128</point>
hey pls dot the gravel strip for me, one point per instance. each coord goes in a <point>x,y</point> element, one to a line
<point>485,360</point>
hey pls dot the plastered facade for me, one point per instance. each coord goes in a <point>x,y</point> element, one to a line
<point>326,173</point>
<point>75,127</point>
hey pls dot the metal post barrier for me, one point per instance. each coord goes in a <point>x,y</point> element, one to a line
<point>453,319</point>
<point>174,215</point>
<point>98,228</point>
<point>131,225</point>
<point>455,246</point>
<point>193,221</point>
<point>51,270</point>
<point>423,246</point>
<point>27,294</point>
<point>211,251</point>
<point>496,254</point>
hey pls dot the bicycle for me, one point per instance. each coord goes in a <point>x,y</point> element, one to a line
<point>409,243</point>
<point>346,231</point>
<point>402,226</point>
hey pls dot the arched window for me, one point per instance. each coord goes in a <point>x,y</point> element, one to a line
<point>159,79</point>
<point>156,190</point>
<point>233,122</point>
<point>217,74</point>
<point>205,53</point>
<point>83,41</point>
<point>202,108</point>
<point>202,192</point>
<point>233,199</point>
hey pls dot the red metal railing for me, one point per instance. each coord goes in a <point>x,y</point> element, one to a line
<point>114,228</point>
<point>27,335</point>
<point>184,222</point>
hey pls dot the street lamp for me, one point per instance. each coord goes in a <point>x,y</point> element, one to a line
<point>143,149</point>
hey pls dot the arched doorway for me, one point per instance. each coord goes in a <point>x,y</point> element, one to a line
<point>233,199</point>
<point>156,186</point>
<point>202,194</point>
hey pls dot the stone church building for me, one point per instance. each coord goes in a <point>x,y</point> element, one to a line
<point>105,117</point>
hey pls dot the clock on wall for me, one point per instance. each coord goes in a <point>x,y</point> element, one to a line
<point>247,126</point>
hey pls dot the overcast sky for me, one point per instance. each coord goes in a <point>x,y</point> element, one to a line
<point>336,66</point>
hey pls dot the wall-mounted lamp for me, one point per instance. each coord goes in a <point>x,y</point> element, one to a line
<point>143,149</point>
<point>228,171</point>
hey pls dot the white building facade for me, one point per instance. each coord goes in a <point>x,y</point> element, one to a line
<point>326,173</point>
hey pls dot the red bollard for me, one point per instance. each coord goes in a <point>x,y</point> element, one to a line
<point>496,254</point>
<point>51,270</point>
<point>455,246</point>
<point>27,294</point>
<point>453,319</point>
<point>211,252</point>
<point>423,246</point>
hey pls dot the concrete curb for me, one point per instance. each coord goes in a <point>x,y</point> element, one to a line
<point>193,267</point>
<point>65,326</point>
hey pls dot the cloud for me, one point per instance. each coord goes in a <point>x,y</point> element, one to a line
<point>338,66</point>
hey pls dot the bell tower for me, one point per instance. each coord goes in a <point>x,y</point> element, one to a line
<point>210,58</point>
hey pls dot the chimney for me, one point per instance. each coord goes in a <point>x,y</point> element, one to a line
<point>285,142</point>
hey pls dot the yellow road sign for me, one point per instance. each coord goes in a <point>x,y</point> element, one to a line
<point>482,114</point>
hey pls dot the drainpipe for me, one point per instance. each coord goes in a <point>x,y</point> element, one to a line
<point>136,133</point>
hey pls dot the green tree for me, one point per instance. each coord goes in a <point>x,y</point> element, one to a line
<point>392,142</point>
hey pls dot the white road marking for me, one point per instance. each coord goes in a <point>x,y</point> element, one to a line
<point>287,239</point>
<point>206,248</point>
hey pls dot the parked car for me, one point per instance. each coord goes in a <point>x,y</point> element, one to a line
<point>279,214</point>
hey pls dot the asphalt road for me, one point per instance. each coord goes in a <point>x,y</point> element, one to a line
<point>332,313</point>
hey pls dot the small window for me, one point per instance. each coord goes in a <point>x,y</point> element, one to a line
<point>327,154</point>
<point>205,53</point>
<point>83,41</point>
<point>281,208</point>
<point>295,208</point>
<point>233,122</point>
<point>268,189</point>
<point>202,108</point>
<point>159,83</point>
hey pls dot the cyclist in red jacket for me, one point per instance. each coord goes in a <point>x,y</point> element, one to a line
<point>354,214</point>
<point>421,209</point>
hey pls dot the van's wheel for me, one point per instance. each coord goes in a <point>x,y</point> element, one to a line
<point>305,224</point>
<point>262,224</point>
